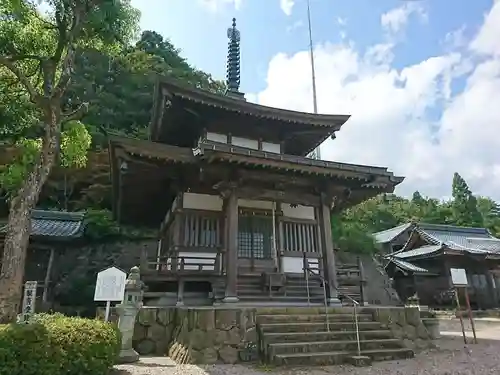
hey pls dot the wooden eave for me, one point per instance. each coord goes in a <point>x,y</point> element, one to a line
<point>122,147</point>
<point>153,163</point>
<point>170,88</point>
<point>300,132</point>
<point>373,177</point>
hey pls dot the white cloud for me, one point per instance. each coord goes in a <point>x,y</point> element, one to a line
<point>456,39</point>
<point>396,19</point>
<point>216,5</point>
<point>287,6</point>
<point>341,21</point>
<point>407,119</point>
<point>294,26</point>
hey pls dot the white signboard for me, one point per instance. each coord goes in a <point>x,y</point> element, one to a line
<point>458,277</point>
<point>110,285</point>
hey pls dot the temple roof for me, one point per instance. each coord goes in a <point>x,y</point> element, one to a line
<point>406,266</point>
<point>178,107</point>
<point>55,225</point>
<point>145,172</point>
<point>448,238</point>
<point>390,234</point>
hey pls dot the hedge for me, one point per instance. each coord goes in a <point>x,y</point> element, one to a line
<point>57,345</point>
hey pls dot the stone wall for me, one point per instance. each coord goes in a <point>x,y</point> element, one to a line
<point>205,335</point>
<point>75,270</point>
<point>221,335</point>
<point>406,324</point>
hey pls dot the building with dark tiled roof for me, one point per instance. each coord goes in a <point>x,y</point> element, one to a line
<point>51,231</point>
<point>423,254</point>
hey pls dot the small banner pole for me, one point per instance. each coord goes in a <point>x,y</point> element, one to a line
<point>459,313</point>
<point>469,310</point>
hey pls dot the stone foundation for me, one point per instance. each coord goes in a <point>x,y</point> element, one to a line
<point>202,336</point>
<point>406,324</point>
<point>221,335</point>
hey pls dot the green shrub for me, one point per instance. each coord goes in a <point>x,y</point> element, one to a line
<point>57,345</point>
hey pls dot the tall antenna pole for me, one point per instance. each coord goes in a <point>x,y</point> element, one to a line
<point>317,153</point>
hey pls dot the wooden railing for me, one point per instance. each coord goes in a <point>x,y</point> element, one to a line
<point>205,263</point>
<point>300,236</point>
<point>350,278</point>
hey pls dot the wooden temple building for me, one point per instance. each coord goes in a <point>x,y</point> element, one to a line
<point>51,234</point>
<point>243,213</point>
<point>419,258</point>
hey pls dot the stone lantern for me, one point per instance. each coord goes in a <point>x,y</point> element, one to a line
<point>127,312</point>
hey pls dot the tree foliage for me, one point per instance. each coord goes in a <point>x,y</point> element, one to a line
<point>351,229</point>
<point>37,56</point>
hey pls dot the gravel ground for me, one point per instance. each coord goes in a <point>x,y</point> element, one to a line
<point>452,357</point>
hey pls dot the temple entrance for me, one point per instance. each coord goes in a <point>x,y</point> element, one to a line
<point>255,242</point>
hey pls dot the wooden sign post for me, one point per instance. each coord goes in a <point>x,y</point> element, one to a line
<point>110,286</point>
<point>29,298</point>
<point>459,281</point>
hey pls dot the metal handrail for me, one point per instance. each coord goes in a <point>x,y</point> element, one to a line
<point>307,269</point>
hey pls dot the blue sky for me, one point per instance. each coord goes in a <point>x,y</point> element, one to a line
<point>200,30</point>
<point>416,76</point>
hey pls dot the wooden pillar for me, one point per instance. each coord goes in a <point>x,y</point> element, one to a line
<point>328,252</point>
<point>46,282</point>
<point>231,245</point>
<point>362,283</point>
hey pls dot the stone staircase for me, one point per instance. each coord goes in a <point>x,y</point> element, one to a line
<point>250,289</point>
<point>300,336</point>
<point>295,290</point>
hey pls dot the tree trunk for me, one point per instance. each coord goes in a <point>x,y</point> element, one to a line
<point>19,221</point>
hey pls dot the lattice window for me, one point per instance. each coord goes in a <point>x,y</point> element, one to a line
<point>255,237</point>
<point>201,231</point>
<point>300,237</point>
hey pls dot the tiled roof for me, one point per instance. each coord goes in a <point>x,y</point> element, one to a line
<point>389,234</point>
<point>55,224</point>
<point>419,251</point>
<point>408,266</point>
<point>476,241</point>
<point>466,239</point>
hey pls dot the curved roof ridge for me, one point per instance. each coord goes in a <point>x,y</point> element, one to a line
<point>453,228</point>
<point>328,120</point>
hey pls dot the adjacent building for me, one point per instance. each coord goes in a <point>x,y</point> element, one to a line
<point>419,258</point>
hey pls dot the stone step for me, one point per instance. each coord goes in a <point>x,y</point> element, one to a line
<point>280,293</point>
<point>311,318</point>
<point>332,346</point>
<point>264,296</point>
<point>303,285</point>
<point>280,337</point>
<point>312,310</point>
<point>315,327</point>
<point>339,357</point>
<point>316,318</point>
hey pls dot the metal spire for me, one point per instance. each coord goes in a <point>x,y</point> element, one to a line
<point>316,154</point>
<point>233,61</point>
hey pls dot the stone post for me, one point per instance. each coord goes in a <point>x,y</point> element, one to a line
<point>127,312</point>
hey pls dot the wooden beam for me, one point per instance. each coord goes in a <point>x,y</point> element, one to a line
<point>327,245</point>
<point>231,246</point>
<point>286,196</point>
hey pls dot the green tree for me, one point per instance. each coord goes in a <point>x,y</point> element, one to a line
<point>119,86</point>
<point>417,198</point>
<point>37,52</point>
<point>490,211</point>
<point>464,206</point>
